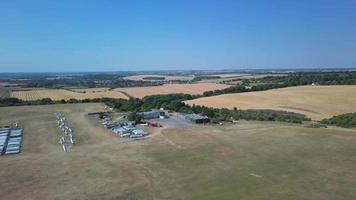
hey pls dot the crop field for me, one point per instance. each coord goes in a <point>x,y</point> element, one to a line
<point>262,75</point>
<point>234,76</point>
<point>248,160</point>
<point>317,102</point>
<point>59,94</point>
<point>248,76</point>
<point>198,88</point>
<point>166,78</point>
<point>230,75</point>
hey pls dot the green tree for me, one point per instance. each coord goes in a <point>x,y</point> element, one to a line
<point>46,101</point>
<point>133,116</point>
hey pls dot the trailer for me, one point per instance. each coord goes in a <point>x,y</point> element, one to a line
<point>125,135</point>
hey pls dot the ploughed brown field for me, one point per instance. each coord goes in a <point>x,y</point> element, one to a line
<point>59,94</point>
<point>198,88</point>
<point>317,102</point>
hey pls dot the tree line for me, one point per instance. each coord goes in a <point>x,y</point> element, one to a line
<point>295,79</point>
<point>307,78</point>
<point>202,77</point>
<point>173,102</point>
<point>241,88</point>
<point>347,120</point>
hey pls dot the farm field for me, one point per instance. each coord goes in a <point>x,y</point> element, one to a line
<point>166,78</point>
<point>249,160</point>
<point>199,88</point>
<point>230,75</point>
<point>317,102</point>
<point>59,94</point>
<point>261,75</point>
<point>234,76</point>
<point>247,76</point>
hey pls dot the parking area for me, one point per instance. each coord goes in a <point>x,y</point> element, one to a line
<point>119,125</point>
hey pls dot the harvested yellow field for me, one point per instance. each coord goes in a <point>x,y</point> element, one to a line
<point>198,88</point>
<point>59,94</point>
<point>317,102</point>
<point>166,78</point>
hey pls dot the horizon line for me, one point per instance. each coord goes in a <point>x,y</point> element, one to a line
<point>191,70</point>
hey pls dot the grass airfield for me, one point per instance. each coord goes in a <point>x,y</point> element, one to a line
<point>249,160</point>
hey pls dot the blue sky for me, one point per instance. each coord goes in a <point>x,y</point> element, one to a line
<point>114,35</point>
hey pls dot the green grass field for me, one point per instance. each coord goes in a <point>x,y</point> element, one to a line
<point>249,160</point>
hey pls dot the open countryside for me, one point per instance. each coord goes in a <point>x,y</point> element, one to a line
<point>246,75</point>
<point>162,77</point>
<point>223,78</point>
<point>117,93</point>
<point>177,100</point>
<point>59,94</point>
<point>248,160</point>
<point>198,88</point>
<point>317,102</point>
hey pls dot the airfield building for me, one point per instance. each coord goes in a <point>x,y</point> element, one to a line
<point>196,118</point>
<point>154,114</point>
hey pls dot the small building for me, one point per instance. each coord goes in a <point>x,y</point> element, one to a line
<point>196,118</point>
<point>154,114</point>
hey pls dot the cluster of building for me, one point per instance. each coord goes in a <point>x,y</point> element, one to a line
<point>10,140</point>
<point>124,129</point>
<point>162,114</point>
<point>127,129</point>
<point>154,114</point>
<point>67,138</point>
